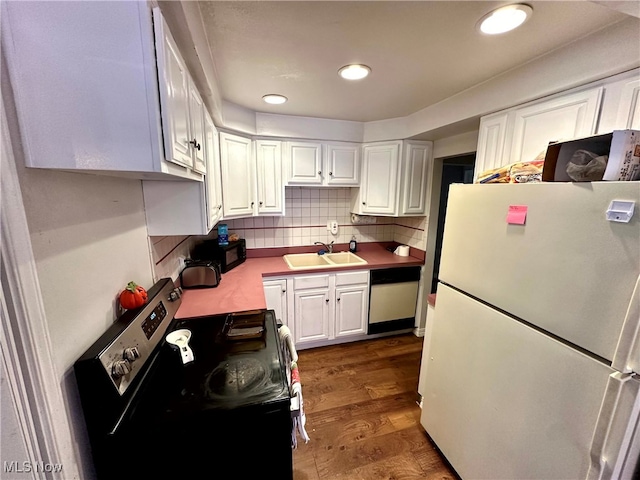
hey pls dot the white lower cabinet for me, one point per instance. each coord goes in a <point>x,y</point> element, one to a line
<point>330,306</point>
<point>312,315</point>
<point>351,310</point>
<point>275,293</point>
<point>321,308</point>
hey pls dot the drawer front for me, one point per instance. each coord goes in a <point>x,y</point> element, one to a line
<point>311,281</point>
<point>352,278</point>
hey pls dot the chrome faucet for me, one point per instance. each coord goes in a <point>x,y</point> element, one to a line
<point>329,247</point>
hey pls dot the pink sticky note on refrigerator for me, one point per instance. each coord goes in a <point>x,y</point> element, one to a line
<point>517,214</point>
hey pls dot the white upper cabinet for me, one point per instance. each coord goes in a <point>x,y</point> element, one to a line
<point>175,95</point>
<point>87,96</point>
<point>559,119</point>
<point>238,174</point>
<point>523,133</point>
<point>491,141</point>
<point>395,179</point>
<point>379,186</point>
<point>416,177</point>
<point>341,164</point>
<point>629,106</point>
<point>213,178</point>
<point>269,177</point>
<point>304,163</point>
<point>187,207</point>
<point>251,176</point>
<point>323,164</point>
<point>181,105</point>
<point>197,112</point>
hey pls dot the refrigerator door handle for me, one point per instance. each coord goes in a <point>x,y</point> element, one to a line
<point>616,440</point>
<point>626,358</point>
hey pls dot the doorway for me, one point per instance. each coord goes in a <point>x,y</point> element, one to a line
<point>458,169</point>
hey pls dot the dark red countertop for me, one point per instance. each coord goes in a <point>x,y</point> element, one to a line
<point>241,288</point>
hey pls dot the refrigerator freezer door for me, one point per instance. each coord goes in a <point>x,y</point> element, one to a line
<point>567,270</point>
<point>504,401</point>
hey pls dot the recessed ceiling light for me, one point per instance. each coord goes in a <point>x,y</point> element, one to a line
<point>504,19</point>
<point>274,99</point>
<point>354,72</point>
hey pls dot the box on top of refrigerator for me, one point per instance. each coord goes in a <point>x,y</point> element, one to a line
<point>612,156</point>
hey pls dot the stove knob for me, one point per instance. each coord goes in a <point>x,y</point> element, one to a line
<point>131,354</point>
<point>120,368</point>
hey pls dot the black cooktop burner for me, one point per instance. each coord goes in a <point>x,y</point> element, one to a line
<point>227,373</point>
<point>238,377</point>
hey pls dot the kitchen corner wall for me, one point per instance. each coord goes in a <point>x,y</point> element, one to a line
<point>307,211</point>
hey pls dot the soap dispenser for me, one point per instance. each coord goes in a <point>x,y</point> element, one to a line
<point>353,245</point>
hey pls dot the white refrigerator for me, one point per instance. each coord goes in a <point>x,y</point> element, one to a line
<point>535,344</point>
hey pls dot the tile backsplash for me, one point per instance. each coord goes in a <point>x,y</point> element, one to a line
<point>307,211</point>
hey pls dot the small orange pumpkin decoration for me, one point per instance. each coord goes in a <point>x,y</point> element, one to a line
<point>134,296</point>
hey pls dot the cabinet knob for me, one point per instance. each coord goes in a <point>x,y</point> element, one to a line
<point>320,172</point>
<point>260,203</point>
<point>338,299</point>
<point>326,300</point>
<point>364,203</point>
<point>219,207</point>
<point>284,291</point>
<point>195,144</point>
<point>331,174</point>
<point>253,203</point>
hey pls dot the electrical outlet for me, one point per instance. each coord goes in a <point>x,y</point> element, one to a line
<point>334,227</point>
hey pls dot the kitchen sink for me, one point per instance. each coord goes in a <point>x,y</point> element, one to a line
<point>300,261</point>
<point>344,258</point>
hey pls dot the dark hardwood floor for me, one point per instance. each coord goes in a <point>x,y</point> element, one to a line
<point>362,415</point>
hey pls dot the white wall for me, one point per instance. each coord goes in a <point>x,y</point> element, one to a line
<point>456,145</point>
<point>89,239</point>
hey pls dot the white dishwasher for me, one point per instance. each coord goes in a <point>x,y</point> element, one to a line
<point>393,297</point>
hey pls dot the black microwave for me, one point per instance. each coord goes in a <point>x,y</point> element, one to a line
<point>228,256</point>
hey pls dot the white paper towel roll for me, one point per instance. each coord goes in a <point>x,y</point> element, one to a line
<point>402,250</point>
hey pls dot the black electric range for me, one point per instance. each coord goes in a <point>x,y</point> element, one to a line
<point>226,414</point>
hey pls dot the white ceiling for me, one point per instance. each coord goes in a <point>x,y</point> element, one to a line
<point>420,52</point>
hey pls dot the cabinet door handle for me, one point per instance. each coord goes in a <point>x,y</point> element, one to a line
<point>195,144</point>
